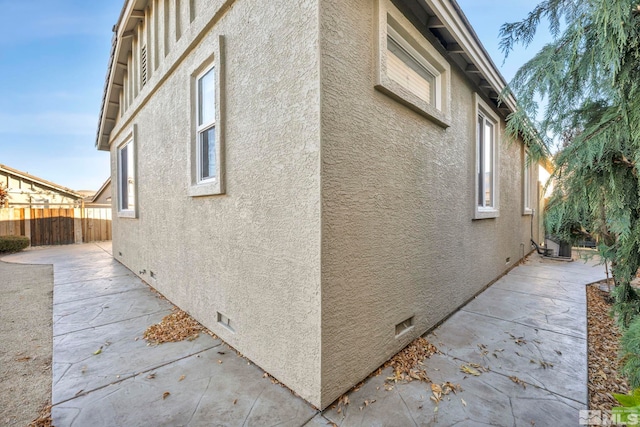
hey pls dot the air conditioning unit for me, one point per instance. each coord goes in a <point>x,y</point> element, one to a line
<point>559,248</point>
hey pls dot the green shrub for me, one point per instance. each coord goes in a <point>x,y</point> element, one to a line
<point>13,243</point>
<point>630,353</point>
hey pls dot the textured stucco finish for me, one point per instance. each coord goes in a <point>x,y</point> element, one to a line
<point>345,212</point>
<point>398,239</point>
<point>254,253</point>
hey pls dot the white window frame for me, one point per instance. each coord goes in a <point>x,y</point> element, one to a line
<point>392,23</point>
<point>199,185</point>
<point>527,184</point>
<point>483,211</point>
<point>201,128</point>
<point>129,141</point>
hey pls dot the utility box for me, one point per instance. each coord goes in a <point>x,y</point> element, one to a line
<point>559,248</point>
<point>565,249</point>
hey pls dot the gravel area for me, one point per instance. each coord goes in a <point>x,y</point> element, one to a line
<point>26,335</point>
<point>603,337</point>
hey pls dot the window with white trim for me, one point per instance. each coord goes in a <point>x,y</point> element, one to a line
<point>486,180</point>
<point>206,125</point>
<point>409,69</point>
<point>126,179</point>
<point>207,149</point>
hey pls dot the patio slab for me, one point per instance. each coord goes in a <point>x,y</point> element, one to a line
<point>542,312</point>
<point>215,387</point>
<point>490,399</point>
<point>123,353</point>
<point>545,359</point>
<point>530,324</point>
<point>569,291</point>
<point>92,288</point>
<point>105,309</point>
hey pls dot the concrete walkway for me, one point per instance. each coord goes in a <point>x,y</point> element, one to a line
<point>530,326</point>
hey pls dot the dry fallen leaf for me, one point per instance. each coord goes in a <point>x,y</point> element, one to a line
<point>469,370</point>
<point>235,401</point>
<point>181,378</point>
<point>174,327</point>
<point>463,402</point>
<point>517,340</point>
<point>219,361</point>
<point>407,364</point>
<point>518,381</point>
<point>44,418</point>
<point>151,376</point>
<point>165,395</point>
<point>603,346</point>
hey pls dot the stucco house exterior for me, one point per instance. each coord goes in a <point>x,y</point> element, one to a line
<point>318,182</point>
<point>29,191</point>
<point>101,198</point>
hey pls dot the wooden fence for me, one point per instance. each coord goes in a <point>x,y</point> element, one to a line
<point>57,226</point>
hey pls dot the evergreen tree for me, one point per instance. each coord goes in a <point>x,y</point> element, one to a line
<point>590,77</point>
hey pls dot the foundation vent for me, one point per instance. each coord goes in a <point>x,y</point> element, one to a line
<point>225,321</point>
<point>404,326</point>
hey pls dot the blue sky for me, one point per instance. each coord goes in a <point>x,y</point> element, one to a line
<point>53,60</point>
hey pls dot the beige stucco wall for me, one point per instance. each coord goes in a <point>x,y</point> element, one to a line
<point>398,239</point>
<point>345,212</point>
<point>252,254</point>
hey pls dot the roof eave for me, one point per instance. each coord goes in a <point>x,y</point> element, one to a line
<point>103,135</point>
<point>449,13</point>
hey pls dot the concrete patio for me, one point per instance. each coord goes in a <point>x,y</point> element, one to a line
<point>530,325</point>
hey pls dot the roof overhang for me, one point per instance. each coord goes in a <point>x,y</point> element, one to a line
<point>132,13</point>
<point>445,21</point>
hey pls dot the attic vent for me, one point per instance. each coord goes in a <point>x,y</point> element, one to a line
<point>143,66</point>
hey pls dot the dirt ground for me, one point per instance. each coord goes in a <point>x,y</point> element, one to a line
<point>26,341</point>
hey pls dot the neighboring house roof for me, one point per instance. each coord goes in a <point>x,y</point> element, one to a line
<point>42,182</point>
<point>98,193</point>
<point>443,18</point>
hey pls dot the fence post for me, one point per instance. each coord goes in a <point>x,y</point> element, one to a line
<point>27,223</point>
<point>77,224</point>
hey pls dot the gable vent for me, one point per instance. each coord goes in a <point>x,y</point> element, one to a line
<point>143,67</point>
